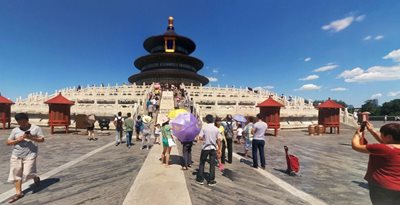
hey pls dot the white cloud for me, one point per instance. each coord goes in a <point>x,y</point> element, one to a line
<point>267,87</point>
<point>307,59</point>
<point>258,88</point>
<point>394,55</point>
<point>374,73</point>
<point>394,93</point>
<point>377,38</point>
<point>212,79</point>
<point>338,25</point>
<point>309,87</point>
<point>330,66</point>
<point>215,70</point>
<point>366,38</point>
<point>361,18</point>
<point>351,73</point>
<point>339,89</point>
<point>310,77</point>
<point>376,96</point>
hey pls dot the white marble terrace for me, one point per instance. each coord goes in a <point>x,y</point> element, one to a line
<point>108,100</point>
<point>103,101</point>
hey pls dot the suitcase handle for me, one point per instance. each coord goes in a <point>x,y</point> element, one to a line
<point>286,148</point>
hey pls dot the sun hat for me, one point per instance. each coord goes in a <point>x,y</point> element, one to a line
<point>146,119</point>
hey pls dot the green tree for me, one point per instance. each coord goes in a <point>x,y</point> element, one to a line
<point>391,108</point>
<point>372,107</point>
<point>350,108</point>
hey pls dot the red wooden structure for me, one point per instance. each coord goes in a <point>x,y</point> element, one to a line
<point>5,111</point>
<point>59,112</point>
<point>270,112</point>
<point>329,115</point>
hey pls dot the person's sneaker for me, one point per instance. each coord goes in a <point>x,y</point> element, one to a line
<point>200,182</point>
<point>116,144</point>
<point>212,183</point>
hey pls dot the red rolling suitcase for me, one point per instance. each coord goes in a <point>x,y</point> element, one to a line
<point>292,161</point>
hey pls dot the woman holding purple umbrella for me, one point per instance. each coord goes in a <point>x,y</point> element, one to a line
<point>185,127</point>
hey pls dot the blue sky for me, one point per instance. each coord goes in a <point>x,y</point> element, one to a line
<point>344,49</point>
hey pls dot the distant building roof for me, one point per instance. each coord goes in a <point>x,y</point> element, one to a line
<point>270,103</point>
<point>59,99</point>
<point>4,100</point>
<point>330,104</point>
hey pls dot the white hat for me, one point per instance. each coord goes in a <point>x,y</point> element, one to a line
<point>146,119</point>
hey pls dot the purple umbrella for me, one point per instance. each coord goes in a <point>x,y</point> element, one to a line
<point>185,127</point>
<point>239,118</point>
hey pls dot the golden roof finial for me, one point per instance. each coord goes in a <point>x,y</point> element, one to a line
<point>171,23</point>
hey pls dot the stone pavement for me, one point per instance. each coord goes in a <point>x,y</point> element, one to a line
<point>330,171</point>
<point>103,178</point>
<point>157,184</point>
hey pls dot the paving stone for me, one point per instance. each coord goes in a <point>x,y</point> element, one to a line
<point>103,178</point>
<point>330,171</point>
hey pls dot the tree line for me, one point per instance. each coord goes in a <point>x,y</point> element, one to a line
<point>391,108</point>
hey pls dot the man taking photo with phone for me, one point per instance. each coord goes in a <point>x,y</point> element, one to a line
<point>23,158</point>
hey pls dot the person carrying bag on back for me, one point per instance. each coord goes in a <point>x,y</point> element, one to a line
<point>118,122</point>
<point>229,126</point>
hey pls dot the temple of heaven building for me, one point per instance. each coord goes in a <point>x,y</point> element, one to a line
<point>169,60</point>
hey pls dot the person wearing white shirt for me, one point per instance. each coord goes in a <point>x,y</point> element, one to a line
<point>258,143</point>
<point>212,142</point>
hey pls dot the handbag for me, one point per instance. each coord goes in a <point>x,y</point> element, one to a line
<point>171,142</point>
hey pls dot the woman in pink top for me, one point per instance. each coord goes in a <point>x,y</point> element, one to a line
<point>383,174</point>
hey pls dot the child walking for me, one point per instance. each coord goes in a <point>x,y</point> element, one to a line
<point>157,133</point>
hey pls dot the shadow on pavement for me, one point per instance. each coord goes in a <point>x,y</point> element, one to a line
<point>361,184</point>
<point>229,174</point>
<point>176,159</point>
<point>247,162</point>
<point>43,185</point>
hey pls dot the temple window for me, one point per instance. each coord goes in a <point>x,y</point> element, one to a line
<point>169,45</point>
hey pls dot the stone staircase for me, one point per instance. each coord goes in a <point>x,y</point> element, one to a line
<point>166,104</point>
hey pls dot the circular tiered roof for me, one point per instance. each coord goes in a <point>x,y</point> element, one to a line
<point>153,42</point>
<point>168,76</point>
<point>160,60</point>
<point>170,64</point>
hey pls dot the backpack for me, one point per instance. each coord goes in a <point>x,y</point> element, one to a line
<point>119,124</point>
<point>139,125</point>
<point>229,130</point>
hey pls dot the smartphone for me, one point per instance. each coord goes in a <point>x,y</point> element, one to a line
<point>363,125</point>
<point>28,132</point>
